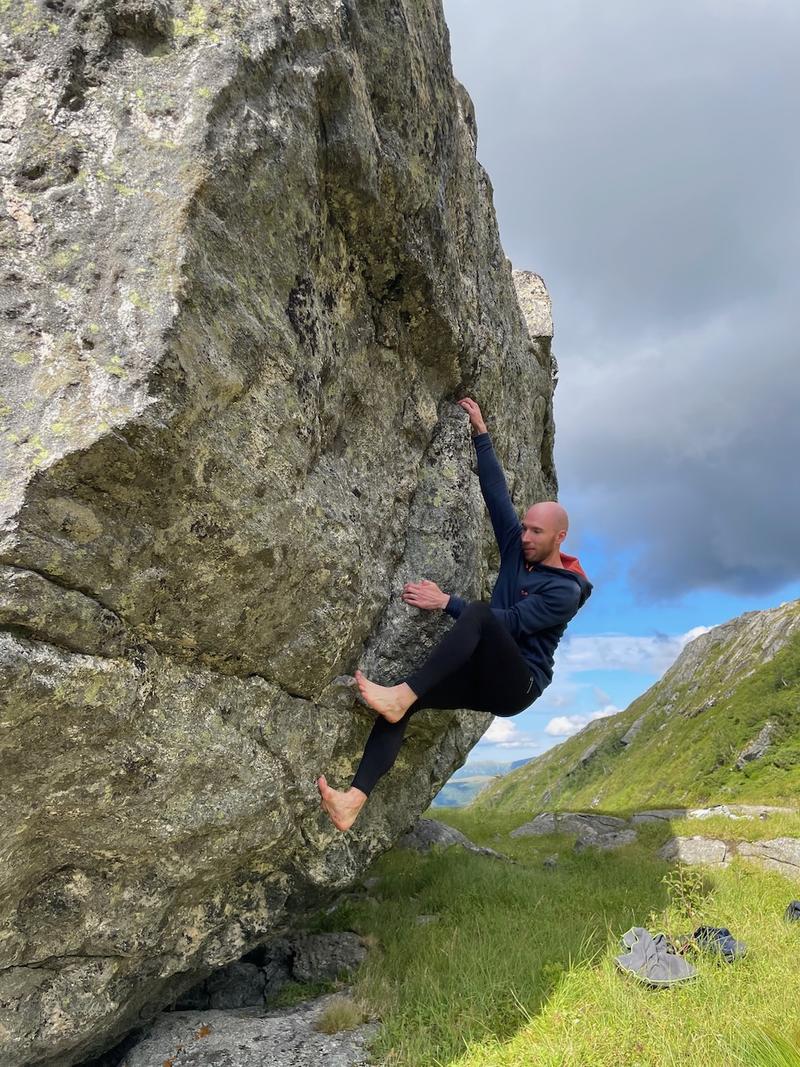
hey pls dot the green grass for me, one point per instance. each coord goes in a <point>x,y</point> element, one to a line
<point>296,992</point>
<point>517,969</point>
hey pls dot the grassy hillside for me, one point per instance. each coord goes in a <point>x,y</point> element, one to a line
<point>691,726</point>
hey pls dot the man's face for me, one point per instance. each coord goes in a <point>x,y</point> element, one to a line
<point>539,540</point>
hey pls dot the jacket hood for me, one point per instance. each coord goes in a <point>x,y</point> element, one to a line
<point>574,570</point>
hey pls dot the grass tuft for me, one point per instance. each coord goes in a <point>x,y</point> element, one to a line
<point>342,1013</point>
<point>770,1049</point>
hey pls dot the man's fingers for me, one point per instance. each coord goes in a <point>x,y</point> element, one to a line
<point>415,599</point>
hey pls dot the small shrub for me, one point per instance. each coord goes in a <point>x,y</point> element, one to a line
<point>343,1013</point>
<point>687,890</point>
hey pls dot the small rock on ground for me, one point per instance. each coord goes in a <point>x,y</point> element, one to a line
<point>695,850</point>
<point>782,854</point>
<point>606,842</point>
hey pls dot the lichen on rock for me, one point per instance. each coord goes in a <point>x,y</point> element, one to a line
<point>248,263</point>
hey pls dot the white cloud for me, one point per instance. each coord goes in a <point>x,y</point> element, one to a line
<point>505,734</point>
<point>623,652</point>
<point>567,725</point>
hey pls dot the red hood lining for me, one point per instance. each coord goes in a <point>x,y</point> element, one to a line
<point>571,563</point>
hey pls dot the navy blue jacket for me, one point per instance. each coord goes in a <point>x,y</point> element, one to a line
<point>534,601</point>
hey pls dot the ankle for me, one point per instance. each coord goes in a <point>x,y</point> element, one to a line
<point>409,696</point>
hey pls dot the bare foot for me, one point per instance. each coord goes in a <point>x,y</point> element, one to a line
<point>390,701</point>
<point>342,807</point>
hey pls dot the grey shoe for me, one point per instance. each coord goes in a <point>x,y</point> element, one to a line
<point>652,960</point>
<point>719,941</point>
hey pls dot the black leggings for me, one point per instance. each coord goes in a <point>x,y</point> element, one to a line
<point>476,665</point>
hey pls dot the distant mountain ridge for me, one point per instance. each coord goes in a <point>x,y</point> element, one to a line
<point>467,781</point>
<point>487,767</point>
<point>723,723</point>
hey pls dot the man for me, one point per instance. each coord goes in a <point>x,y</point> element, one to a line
<point>498,657</point>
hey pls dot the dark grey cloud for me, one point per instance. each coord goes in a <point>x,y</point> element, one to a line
<point>645,163</point>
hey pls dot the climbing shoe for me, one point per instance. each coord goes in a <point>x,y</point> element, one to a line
<point>793,911</point>
<point>719,941</point>
<point>652,960</point>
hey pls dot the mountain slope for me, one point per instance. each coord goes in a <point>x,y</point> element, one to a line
<point>683,740</point>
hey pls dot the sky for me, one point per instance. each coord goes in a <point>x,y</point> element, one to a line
<point>645,162</point>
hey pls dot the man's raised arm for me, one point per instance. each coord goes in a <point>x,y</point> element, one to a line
<point>505,523</point>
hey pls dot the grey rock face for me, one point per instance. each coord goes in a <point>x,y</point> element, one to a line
<point>541,824</point>
<point>695,850</point>
<point>570,822</point>
<point>248,260</point>
<point>588,754</point>
<point>252,1038</point>
<point>725,811</point>
<point>781,854</point>
<point>757,747</point>
<point>729,652</point>
<point>606,842</point>
<point>239,985</point>
<point>326,956</point>
<point>633,730</point>
<point>658,815</point>
<point>755,811</point>
<point>298,958</point>
<point>425,833</point>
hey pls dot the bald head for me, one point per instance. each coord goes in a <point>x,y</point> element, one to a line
<point>550,515</point>
<point>544,527</point>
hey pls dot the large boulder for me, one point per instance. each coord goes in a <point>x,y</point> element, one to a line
<point>249,261</point>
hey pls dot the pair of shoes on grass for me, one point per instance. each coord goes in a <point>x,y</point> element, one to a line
<point>657,961</point>
<point>719,941</point>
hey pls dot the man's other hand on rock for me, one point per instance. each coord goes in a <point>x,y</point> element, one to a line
<point>426,595</point>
